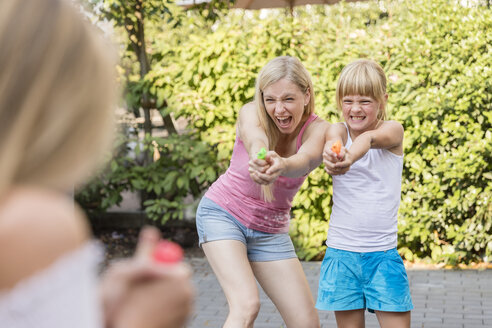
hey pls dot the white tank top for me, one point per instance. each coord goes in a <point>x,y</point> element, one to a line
<point>365,203</point>
<point>65,294</point>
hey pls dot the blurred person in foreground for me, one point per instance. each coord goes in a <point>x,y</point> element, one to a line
<point>57,97</point>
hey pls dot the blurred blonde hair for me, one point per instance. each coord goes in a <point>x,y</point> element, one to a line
<point>363,77</point>
<point>284,67</point>
<point>57,90</point>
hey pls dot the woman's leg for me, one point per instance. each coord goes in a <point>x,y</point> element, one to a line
<point>286,285</point>
<point>350,318</point>
<point>230,263</point>
<point>393,319</point>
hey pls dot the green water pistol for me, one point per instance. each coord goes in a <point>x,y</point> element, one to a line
<point>261,153</point>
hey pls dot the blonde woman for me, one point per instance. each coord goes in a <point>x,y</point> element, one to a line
<point>57,94</point>
<point>245,236</point>
<point>362,268</point>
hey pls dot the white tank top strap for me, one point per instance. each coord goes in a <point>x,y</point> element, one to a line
<point>349,138</point>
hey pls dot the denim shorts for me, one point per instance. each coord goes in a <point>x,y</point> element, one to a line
<point>215,223</point>
<point>376,281</point>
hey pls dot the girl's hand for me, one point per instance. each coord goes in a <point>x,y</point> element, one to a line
<point>139,292</point>
<point>344,164</point>
<point>335,164</point>
<point>266,171</point>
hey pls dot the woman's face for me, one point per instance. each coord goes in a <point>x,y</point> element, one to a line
<point>284,103</point>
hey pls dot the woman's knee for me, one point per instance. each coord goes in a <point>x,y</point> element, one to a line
<point>248,308</point>
<point>251,307</point>
<point>312,322</point>
<point>308,320</point>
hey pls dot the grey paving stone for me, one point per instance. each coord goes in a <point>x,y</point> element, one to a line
<point>442,299</point>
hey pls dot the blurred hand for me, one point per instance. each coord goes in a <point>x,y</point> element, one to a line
<point>158,303</point>
<point>140,293</point>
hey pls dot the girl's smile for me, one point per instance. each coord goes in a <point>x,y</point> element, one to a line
<point>360,113</point>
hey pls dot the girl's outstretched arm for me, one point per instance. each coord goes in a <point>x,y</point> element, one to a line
<point>387,136</point>
<point>307,158</point>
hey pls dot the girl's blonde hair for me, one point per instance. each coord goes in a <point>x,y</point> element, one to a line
<point>284,67</point>
<point>363,77</point>
<point>57,90</point>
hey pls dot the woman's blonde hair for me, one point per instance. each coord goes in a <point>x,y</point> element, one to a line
<point>363,77</point>
<point>284,67</point>
<point>57,90</point>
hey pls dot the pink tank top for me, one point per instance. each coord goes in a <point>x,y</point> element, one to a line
<point>241,197</point>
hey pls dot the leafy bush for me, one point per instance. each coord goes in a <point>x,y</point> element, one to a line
<point>105,188</point>
<point>442,78</point>
<point>184,167</point>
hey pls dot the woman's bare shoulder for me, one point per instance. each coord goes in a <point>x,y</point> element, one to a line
<point>247,119</point>
<point>318,126</point>
<point>321,122</point>
<point>37,226</point>
<point>247,110</point>
<point>249,106</point>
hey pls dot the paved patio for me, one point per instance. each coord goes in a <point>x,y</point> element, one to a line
<point>442,298</point>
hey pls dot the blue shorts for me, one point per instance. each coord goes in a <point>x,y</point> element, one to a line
<point>215,223</point>
<point>375,280</point>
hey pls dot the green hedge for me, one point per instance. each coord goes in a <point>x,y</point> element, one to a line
<point>437,57</point>
<point>184,167</point>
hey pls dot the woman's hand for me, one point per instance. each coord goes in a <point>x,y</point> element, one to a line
<point>266,171</point>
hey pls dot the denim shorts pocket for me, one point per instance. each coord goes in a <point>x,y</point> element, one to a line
<point>205,206</point>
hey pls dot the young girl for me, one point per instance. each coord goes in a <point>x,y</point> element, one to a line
<point>362,268</point>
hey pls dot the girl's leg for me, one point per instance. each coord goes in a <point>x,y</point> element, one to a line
<point>350,319</point>
<point>230,264</point>
<point>286,285</point>
<point>393,319</point>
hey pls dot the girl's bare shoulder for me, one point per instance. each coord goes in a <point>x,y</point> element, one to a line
<point>37,226</point>
<point>337,129</point>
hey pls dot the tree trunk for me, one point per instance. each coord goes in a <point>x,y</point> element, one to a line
<point>136,33</point>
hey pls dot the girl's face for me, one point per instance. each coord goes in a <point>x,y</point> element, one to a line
<point>284,103</point>
<point>360,113</point>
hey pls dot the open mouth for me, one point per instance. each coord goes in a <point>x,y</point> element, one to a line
<point>357,118</point>
<point>284,122</point>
